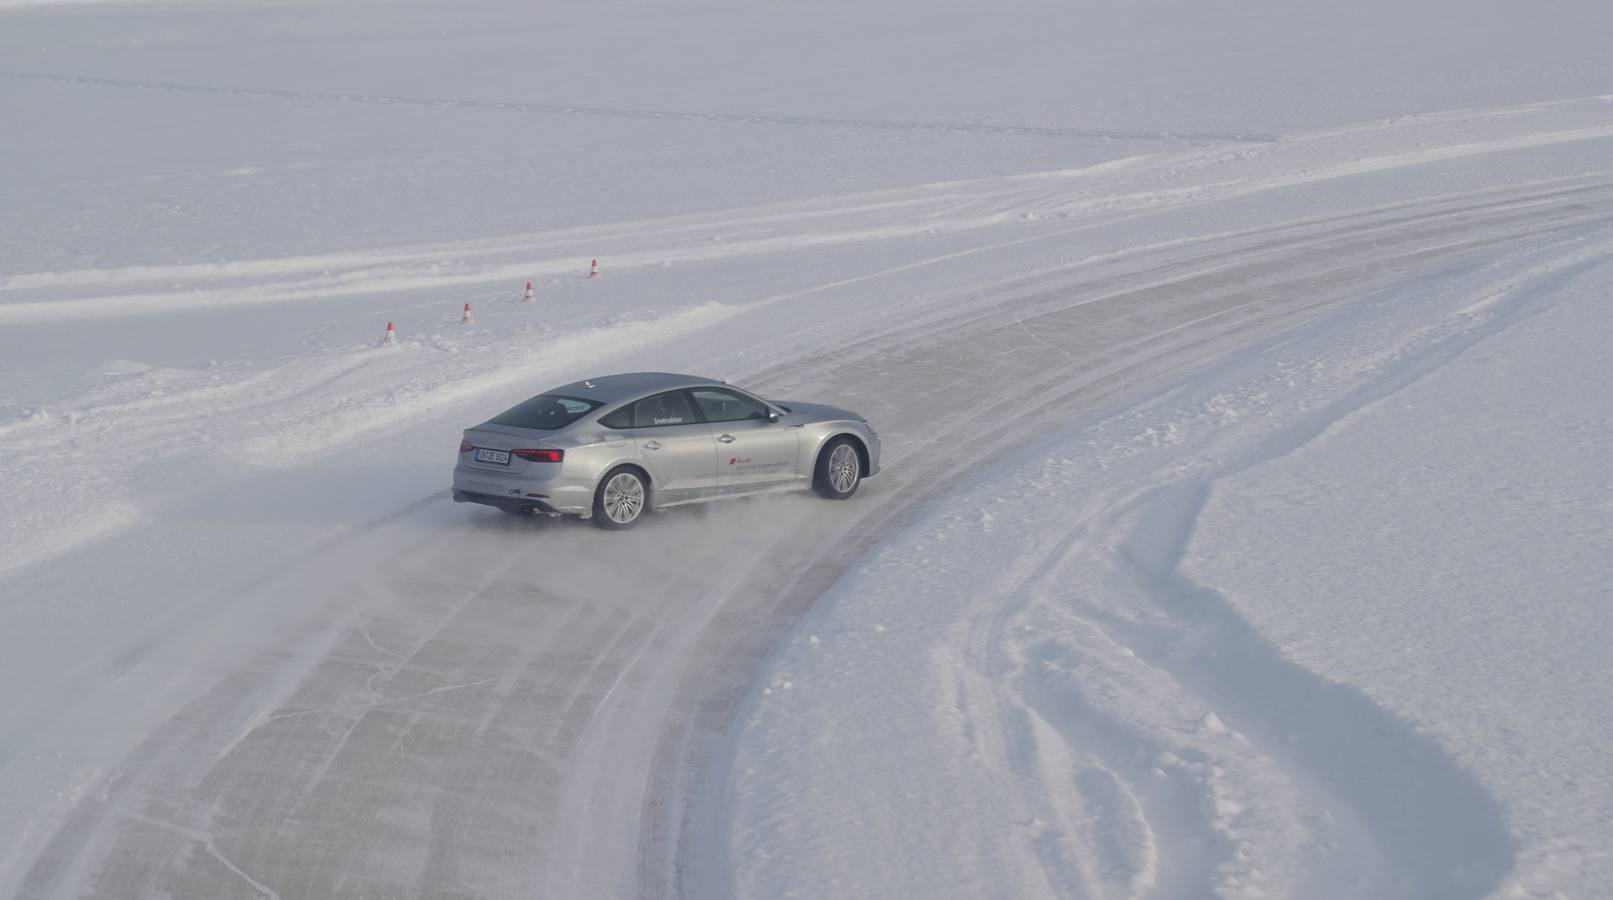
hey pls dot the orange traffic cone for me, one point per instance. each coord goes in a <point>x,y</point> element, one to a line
<point>593,270</point>
<point>467,320</point>
<point>389,340</point>
<point>527,298</point>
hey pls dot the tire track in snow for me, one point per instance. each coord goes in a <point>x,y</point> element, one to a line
<point>1437,825</point>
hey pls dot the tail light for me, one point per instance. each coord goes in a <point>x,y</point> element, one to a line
<point>544,455</point>
<point>466,446</point>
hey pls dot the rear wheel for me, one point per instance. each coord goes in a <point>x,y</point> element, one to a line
<point>620,499</point>
<point>839,470</point>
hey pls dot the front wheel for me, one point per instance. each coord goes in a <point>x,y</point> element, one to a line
<point>620,498</point>
<point>839,470</point>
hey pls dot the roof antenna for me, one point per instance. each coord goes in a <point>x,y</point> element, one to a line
<point>587,384</point>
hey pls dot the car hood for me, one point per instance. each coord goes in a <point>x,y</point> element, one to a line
<point>818,412</point>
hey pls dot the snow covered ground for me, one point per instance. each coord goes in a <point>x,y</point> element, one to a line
<point>1242,530</point>
<point>1299,626</point>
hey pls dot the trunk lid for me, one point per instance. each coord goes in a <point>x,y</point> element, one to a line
<point>506,438</point>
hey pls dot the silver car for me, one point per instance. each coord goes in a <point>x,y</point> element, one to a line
<point>612,448</point>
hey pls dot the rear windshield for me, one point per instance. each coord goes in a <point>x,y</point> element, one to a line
<point>546,412</point>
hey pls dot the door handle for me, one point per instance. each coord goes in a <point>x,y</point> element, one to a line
<point>726,438</point>
<point>652,445</point>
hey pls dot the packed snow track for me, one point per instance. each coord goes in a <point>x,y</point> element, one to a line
<point>495,701</point>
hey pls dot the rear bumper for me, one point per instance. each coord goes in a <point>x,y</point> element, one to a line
<point>549,494</point>
<point>513,504</point>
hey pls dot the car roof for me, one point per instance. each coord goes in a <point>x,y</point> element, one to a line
<point>628,385</point>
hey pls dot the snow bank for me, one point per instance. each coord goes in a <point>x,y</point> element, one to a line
<point>1448,550</point>
<point>1374,673</point>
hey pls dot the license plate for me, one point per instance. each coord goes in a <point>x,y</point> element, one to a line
<point>502,457</point>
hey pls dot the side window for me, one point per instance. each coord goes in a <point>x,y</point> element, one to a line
<point>622,418</point>
<point>670,408</point>
<point>719,405</point>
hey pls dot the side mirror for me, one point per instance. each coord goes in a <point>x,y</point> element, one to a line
<point>772,415</point>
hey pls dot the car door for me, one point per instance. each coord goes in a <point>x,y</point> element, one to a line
<point>677,447</point>
<point>752,450</point>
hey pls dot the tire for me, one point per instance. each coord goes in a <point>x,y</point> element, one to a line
<point>621,499</point>
<point>839,470</point>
